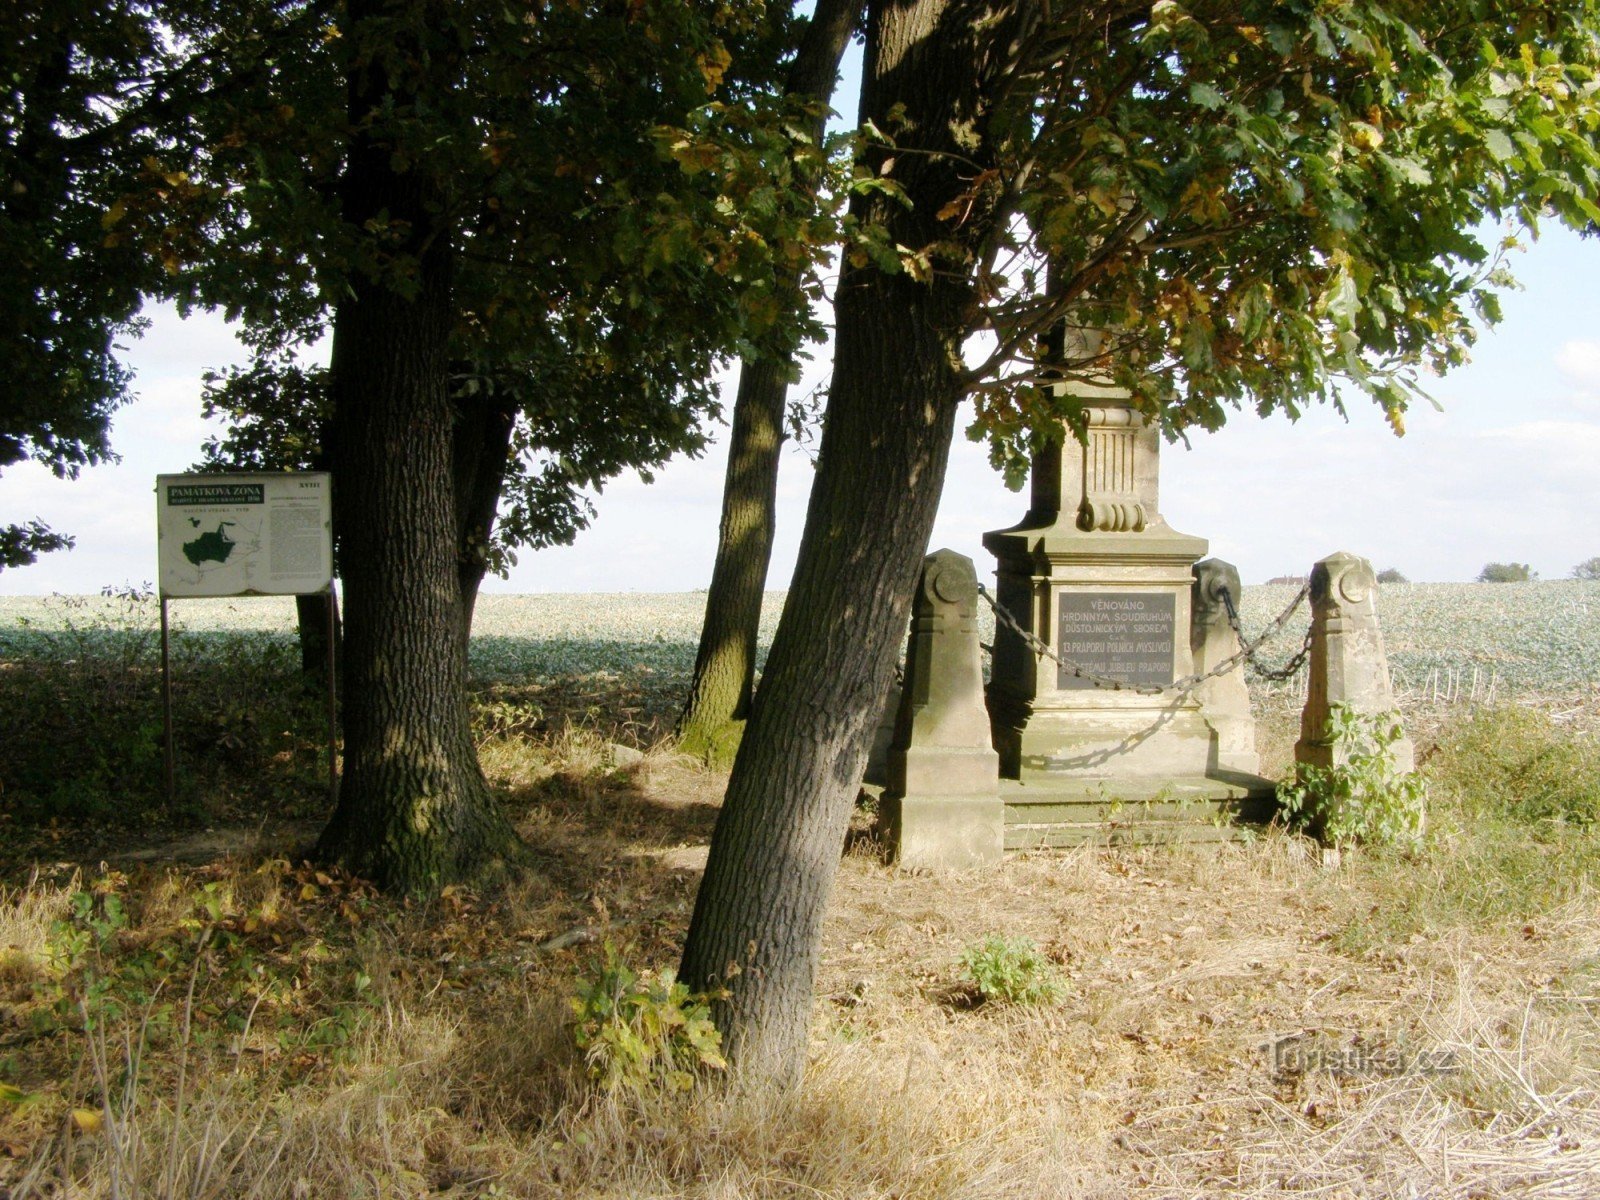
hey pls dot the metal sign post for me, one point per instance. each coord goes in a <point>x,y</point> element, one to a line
<point>333,703</point>
<point>168,762</point>
<point>248,534</point>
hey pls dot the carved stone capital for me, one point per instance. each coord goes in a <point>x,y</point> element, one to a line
<point>949,587</point>
<point>1344,585</point>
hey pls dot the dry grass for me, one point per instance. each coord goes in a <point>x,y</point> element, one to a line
<point>1149,1077</point>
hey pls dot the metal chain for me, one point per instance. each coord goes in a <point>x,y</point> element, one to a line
<point>1290,668</point>
<point>1188,683</point>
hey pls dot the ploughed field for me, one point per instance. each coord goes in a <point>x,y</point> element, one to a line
<point>629,655</point>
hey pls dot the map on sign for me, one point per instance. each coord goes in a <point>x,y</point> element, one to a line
<point>233,535</point>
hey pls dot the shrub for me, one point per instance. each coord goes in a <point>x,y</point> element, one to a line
<point>1011,971</point>
<point>1518,764</point>
<point>1589,568</point>
<point>1363,796</point>
<point>1391,575</point>
<point>641,1030</point>
<point>1496,572</point>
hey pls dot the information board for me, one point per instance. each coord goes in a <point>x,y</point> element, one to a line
<point>1123,635</point>
<point>263,533</point>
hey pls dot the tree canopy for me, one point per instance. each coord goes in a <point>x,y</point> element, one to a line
<point>1258,201</point>
<point>1507,572</point>
<point>617,179</point>
<point>68,71</point>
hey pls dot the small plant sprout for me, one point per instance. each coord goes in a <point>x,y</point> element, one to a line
<point>1011,971</point>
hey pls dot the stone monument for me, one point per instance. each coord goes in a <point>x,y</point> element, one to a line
<point>1096,574</point>
<point>941,807</point>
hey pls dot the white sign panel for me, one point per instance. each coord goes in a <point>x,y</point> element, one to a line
<point>268,533</point>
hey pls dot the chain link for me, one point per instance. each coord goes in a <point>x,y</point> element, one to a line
<point>1188,683</point>
<point>1290,668</point>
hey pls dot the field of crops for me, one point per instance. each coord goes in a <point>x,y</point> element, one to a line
<point>1514,638</point>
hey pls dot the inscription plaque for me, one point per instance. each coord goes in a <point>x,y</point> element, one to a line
<point>1124,635</point>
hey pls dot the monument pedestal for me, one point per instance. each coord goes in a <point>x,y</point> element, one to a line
<point>1096,574</point>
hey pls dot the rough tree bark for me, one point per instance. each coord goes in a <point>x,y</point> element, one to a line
<point>414,811</point>
<point>725,666</point>
<point>896,386</point>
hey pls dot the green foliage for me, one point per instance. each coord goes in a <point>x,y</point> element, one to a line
<point>1011,971</point>
<point>275,413</point>
<point>1497,572</point>
<point>630,200</point>
<point>1260,202</point>
<point>1391,575</point>
<point>1517,764</point>
<point>68,292</point>
<point>1513,796</point>
<point>22,544</point>
<point>1588,569</point>
<point>1363,796</point>
<point>641,1030</point>
<point>207,958</point>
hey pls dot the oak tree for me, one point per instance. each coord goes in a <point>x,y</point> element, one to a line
<point>725,664</point>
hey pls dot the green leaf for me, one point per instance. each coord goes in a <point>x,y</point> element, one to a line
<point>1500,145</point>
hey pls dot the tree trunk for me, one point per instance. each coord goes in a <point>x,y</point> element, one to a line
<point>318,623</point>
<point>725,666</point>
<point>479,451</point>
<point>414,811</point>
<point>758,917</point>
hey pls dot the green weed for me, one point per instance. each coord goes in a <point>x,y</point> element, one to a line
<point>1363,796</point>
<point>1518,764</point>
<point>1011,971</point>
<point>643,1030</point>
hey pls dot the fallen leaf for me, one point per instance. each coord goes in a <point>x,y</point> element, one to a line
<point>88,1120</point>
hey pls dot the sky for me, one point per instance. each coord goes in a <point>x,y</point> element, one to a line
<point>1508,471</point>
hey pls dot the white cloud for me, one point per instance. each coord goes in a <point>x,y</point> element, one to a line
<point>1579,362</point>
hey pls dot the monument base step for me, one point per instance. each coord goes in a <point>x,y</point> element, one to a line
<point>1072,812</point>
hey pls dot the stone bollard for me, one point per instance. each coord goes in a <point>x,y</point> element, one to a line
<point>1348,663</point>
<point>1224,701</point>
<point>942,804</point>
<point>877,772</point>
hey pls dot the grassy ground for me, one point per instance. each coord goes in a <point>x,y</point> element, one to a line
<point>201,1015</point>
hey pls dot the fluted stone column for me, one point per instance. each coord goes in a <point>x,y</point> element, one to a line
<point>1348,665</point>
<point>1224,701</point>
<point>942,805</point>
